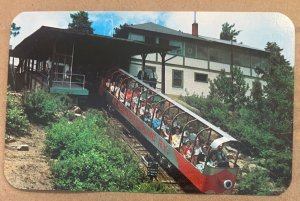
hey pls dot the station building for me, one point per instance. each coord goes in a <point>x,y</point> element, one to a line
<point>194,59</point>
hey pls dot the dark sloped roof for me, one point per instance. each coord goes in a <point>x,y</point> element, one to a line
<point>150,26</point>
<point>40,43</point>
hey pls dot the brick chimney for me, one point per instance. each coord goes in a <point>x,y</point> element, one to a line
<point>195,29</point>
<point>195,26</point>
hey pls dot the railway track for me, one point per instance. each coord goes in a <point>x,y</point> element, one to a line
<point>169,176</point>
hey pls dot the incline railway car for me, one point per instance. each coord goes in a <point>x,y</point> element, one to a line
<point>202,152</point>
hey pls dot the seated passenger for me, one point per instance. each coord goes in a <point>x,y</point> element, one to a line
<point>176,139</point>
<point>156,121</point>
<point>212,160</point>
<point>197,152</point>
<point>107,83</point>
<point>128,97</point>
<point>191,134</point>
<point>141,111</point>
<point>186,150</point>
<point>112,87</point>
<point>221,158</point>
<point>165,129</point>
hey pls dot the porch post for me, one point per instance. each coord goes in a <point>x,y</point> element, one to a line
<point>163,72</point>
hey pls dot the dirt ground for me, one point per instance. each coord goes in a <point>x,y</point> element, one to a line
<point>28,169</point>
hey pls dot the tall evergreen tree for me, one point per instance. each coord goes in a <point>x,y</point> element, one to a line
<point>118,30</point>
<point>257,95</point>
<point>14,29</point>
<point>279,90</point>
<point>228,32</point>
<point>232,90</point>
<point>80,23</point>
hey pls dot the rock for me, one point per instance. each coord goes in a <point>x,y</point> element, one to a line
<point>9,139</point>
<point>78,115</point>
<point>230,149</point>
<point>77,110</point>
<point>23,147</point>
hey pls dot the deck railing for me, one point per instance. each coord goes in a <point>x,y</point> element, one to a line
<point>68,80</point>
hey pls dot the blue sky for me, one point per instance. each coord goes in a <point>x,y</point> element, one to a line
<point>256,28</point>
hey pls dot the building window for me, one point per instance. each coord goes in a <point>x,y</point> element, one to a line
<point>202,53</point>
<point>220,55</point>
<point>177,45</point>
<point>136,37</point>
<point>190,50</point>
<point>199,77</point>
<point>177,79</point>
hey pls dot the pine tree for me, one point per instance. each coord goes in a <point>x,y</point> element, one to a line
<point>228,33</point>
<point>80,23</point>
<point>14,29</point>
<point>279,90</point>
<point>230,90</point>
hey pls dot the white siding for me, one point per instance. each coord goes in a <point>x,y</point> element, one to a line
<point>196,63</point>
<point>176,60</point>
<point>219,66</point>
<point>137,57</point>
<point>151,57</point>
<point>245,70</point>
<point>189,85</point>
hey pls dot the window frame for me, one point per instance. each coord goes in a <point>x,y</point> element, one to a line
<point>202,81</point>
<point>173,84</point>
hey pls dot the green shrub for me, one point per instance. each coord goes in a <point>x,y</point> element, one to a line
<point>279,163</point>
<point>43,107</point>
<point>16,119</point>
<point>88,158</point>
<point>94,171</point>
<point>257,182</point>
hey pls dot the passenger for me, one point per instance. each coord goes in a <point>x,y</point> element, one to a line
<point>186,150</point>
<point>212,160</point>
<point>221,158</point>
<point>197,152</point>
<point>135,99</point>
<point>121,92</point>
<point>128,97</point>
<point>165,129</point>
<point>156,121</point>
<point>176,139</point>
<point>191,134</point>
<point>142,109</point>
<point>185,137</point>
<point>112,87</point>
<point>148,114</point>
<point>107,83</point>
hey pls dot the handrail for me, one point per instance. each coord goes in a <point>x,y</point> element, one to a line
<point>203,121</point>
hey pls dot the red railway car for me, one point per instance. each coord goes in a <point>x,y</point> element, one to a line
<point>205,154</point>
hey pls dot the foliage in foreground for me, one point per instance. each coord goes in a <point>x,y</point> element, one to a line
<point>16,119</point>
<point>257,182</point>
<point>87,157</point>
<point>43,107</point>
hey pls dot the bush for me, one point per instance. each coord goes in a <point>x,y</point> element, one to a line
<point>43,107</point>
<point>256,182</point>
<point>16,119</point>
<point>279,163</point>
<point>88,158</point>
